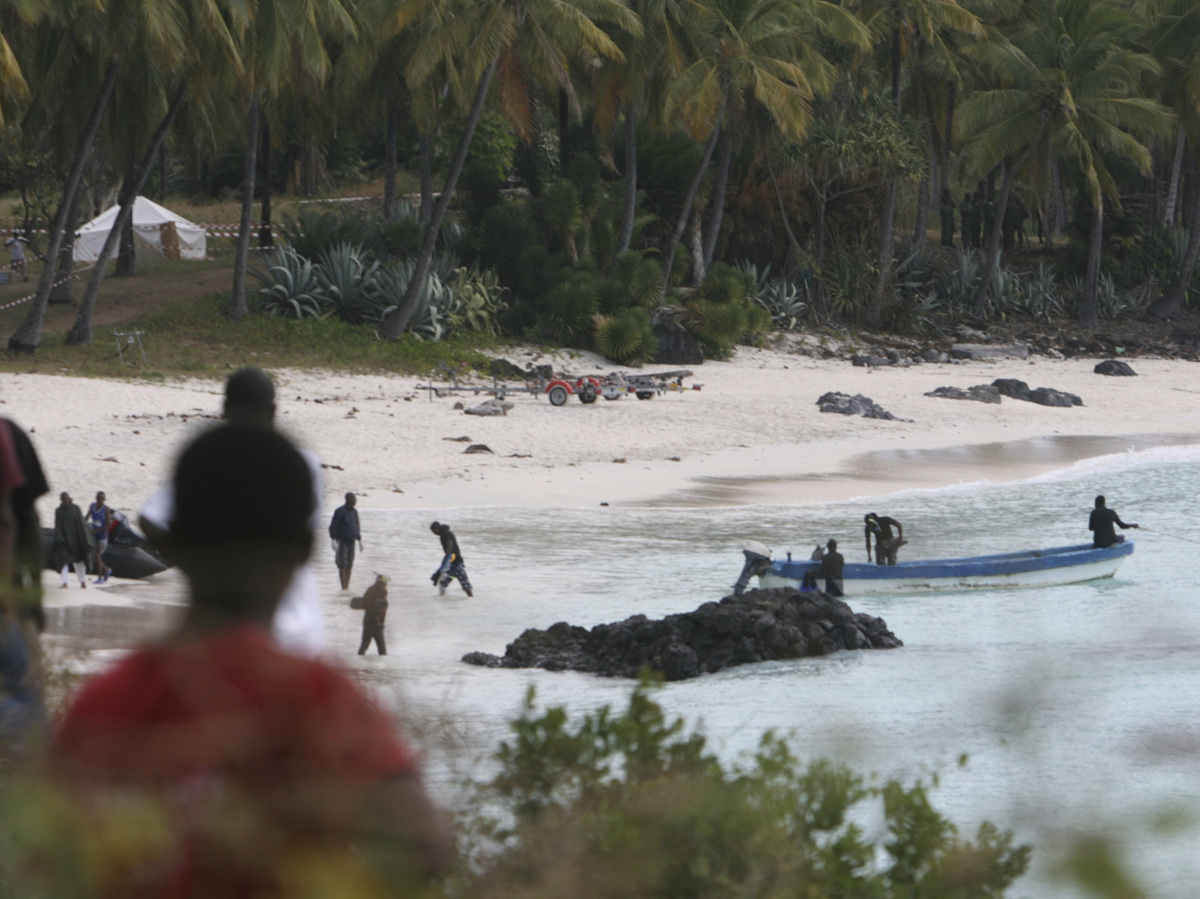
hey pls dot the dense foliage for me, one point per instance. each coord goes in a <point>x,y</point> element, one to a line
<point>605,156</point>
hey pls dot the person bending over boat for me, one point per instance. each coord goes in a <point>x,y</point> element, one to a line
<point>832,563</point>
<point>1101,525</point>
<point>886,543</point>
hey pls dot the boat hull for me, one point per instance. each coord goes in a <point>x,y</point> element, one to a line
<point>1030,568</point>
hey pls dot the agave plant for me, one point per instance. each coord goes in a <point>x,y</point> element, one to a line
<point>956,288</point>
<point>291,288</point>
<point>783,302</point>
<point>475,300</point>
<point>348,281</point>
<point>427,317</point>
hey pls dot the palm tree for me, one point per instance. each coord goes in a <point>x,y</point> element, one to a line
<point>279,40</point>
<point>1067,86</point>
<point>526,41</point>
<point>906,25</point>
<point>1176,43</point>
<point>12,82</point>
<point>754,55</point>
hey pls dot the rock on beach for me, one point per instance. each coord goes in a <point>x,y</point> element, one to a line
<point>758,626</point>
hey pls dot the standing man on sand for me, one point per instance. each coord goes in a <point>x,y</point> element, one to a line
<point>99,520</point>
<point>343,531</point>
<point>1101,522</point>
<point>452,561</point>
<point>885,543</point>
<point>72,541</point>
<point>250,401</point>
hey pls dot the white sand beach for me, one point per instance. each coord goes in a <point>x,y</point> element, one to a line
<point>752,433</point>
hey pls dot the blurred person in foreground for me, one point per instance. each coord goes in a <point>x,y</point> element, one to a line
<point>22,709</point>
<point>250,400</point>
<point>237,769</point>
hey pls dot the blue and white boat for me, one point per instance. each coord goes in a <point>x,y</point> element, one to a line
<point>1030,568</point>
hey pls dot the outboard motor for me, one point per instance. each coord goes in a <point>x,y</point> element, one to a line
<point>758,560</point>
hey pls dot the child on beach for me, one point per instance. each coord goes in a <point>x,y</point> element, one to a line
<point>258,765</point>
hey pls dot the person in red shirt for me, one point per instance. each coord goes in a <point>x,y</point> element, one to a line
<point>261,765</point>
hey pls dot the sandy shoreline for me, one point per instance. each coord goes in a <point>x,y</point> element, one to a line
<point>752,434</point>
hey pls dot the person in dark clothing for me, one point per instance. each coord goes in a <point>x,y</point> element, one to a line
<point>832,564</point>
<point>970,221</point>
<point>344,531</point>
<point>886,543</point>
<point>72,541</point>
<point>452,561</point>
<point>374,605</point>
<point>1101,525</point>
<point>946,211</point>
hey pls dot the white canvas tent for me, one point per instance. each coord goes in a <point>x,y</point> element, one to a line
<point>157,231</point>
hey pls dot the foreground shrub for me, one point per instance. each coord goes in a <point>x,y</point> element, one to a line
<point>629,806</point>
<point>627,338</point>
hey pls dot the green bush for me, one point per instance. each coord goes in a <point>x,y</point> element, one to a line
<point>628,805</point>
<point>567,309</point>
<point>627,338</point>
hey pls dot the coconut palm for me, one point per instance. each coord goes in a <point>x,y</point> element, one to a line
<point>280,40</point>
<point>1067,85</point>
<point>12,82</point>
<point>905,26</point>
<point>1175,42</point>
<point>753,55</point>
<point>519,43</point>
<point>635,85</point>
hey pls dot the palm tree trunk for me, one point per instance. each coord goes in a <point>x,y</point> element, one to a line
<point>425,153</point>
<point>783,216</point>
<point>947,141</point>
<point>81,331</point>
<point>997,236</point>
<point>1088,315</point>
<point>718,203</point>
<point>1059,224</point>
<point>1171,302</point>
<point>631,182</point>
<point>28,336</point>
<point>697,245</point>
<point>237,297</point>
<point>265,236</point>
<point>63,288</point>
<point>690,198</point>
<point>389,158</point>
<point>397,320</point>
<point>1172,198</point>
<point>883,259</point>
<point>126,252</point>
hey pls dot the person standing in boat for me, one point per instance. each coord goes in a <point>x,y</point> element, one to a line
<point>886,543</point>
<point>1101,525</point>
<point>832,564</point>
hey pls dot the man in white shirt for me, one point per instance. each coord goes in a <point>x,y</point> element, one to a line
<point>16,254</point>
<point>298,626</point>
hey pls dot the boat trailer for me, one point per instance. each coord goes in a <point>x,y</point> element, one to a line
<point>589,388</point>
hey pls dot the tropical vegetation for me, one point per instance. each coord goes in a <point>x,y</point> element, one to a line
<point>606,165</point>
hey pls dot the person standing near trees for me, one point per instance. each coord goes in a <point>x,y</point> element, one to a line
<point>452,561</point>
<point>344,530</point>
<point>970,222</point>
<point>72,541</point>
<point>16,255</point>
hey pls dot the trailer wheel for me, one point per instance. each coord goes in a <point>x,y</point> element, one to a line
<point>557,395</point>
<point>587,394</point>
<point>645,394</point>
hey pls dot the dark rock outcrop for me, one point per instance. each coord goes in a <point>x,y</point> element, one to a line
<point>1115,367</point>
<point>982,393</point>
<point>758,626</point>
<point>844,404</point>
<point>506,370</point>
<point>1043,396</point>
<point>989,351</point>
<point>676,346</point>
